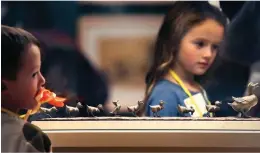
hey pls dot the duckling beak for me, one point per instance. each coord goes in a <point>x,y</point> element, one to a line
<point>256,85</point>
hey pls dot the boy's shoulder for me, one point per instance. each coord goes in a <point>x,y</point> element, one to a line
<point>20,136</point>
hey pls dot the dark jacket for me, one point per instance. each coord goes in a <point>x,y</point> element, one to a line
<point>240,50</point>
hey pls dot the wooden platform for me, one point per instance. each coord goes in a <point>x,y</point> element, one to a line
<point>128,134</point>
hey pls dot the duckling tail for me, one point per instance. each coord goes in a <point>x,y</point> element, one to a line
<point>179,107</point>
<point>128,108</point>
<point>192,112</point>
<point>67,109</point>
<point>207,107</point>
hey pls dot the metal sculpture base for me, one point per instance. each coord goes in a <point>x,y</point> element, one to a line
<point>118,118</point>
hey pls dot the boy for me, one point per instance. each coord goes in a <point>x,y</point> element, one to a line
<point>21,80</point>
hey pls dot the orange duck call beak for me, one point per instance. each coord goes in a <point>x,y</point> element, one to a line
<point>46,96</point>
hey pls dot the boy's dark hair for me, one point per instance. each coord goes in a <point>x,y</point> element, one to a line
<point>14,43</point>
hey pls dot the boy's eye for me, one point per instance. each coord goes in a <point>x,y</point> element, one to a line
<point>34,74</point>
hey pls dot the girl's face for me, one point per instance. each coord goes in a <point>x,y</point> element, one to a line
<point>199,47</point>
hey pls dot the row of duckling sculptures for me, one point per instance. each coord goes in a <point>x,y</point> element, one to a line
<point>242,105</point>
<point>91,111</point>
<point>185,110</point>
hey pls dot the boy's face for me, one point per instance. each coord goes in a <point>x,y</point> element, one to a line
<point>22,91</point>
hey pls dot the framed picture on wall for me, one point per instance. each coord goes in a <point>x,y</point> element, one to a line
<point>121,46</point>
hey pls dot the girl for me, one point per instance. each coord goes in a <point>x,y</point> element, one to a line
<point>186,46</point>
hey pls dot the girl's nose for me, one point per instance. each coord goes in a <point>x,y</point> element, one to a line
<point>208,53</point>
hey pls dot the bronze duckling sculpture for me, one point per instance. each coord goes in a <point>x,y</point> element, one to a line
<point>214,108</point>
<point>91,109</point>
<point>243,105</point>
<point>117,108</point>
<point>184,110</point>
<point>134,109</point>
<point>73,111</point>
<point>156,108</point>
<point>48,110</point>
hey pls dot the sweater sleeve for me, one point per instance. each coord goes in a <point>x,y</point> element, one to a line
<point>37,138</point>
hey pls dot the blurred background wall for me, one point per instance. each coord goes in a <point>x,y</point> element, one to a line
<point>95,51</point>
<point>113,40</point>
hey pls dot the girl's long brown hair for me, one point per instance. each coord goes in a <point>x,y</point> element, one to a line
<point>178,21</point>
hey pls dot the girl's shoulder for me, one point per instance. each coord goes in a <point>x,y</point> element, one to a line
<point>167,87</point>
<point>166,90</point>
<point>172,94</point>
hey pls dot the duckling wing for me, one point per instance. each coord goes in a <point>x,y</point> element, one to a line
<point>130,107</point>
<point>42,109</point>
<point>240,100</point>
<point>251,100</point>
<point>153,106</point>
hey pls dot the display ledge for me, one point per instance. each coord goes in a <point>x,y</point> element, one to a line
<point>154,140</point>
<point>144,123</point>
<point>153,135</point>
<point>156,149</point>
<point>118,118</point>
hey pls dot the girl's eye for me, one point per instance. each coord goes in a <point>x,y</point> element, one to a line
<point>215,47</point>
<point>200,44</point>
